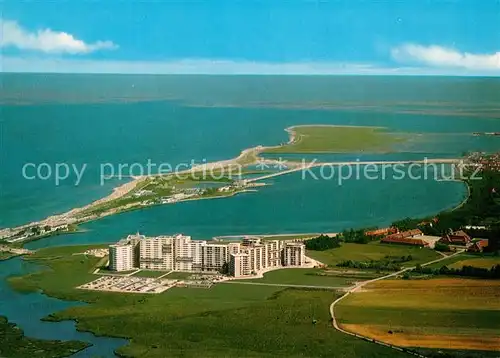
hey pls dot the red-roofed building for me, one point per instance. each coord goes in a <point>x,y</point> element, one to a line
<point>410,237</point>
<point>478,246</point>
<point>385,231</point>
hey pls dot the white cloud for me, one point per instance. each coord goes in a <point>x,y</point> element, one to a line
<point>181,66</point>
<point>437,56</point>
<point>46,40</point>
<point>217,67</point>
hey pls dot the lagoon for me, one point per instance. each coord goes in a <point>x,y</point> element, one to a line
<point>96,119</point>
<point>26,310</point>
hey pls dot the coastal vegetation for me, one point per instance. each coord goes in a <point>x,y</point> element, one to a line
<point>372,251</point>
<point>227,319</point>
<point>322,243</point>
<point>482,208</point>
<point>449,313</point>
<point>7,255</point>
<point>335,139</point>
<point>388,263</point>
<point>166,189</point>
<point>479,271</point>
<point>356,236</point>
<point>15,344</point>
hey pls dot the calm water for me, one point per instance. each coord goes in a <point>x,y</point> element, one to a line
<point>92,120</point>
<point>26,310</point>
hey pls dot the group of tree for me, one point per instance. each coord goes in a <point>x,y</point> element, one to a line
<point>465,271</point>
<point>482,208</point>
<point>355,236</point>
<point>322,243</point>
<point>225,268</point>
<point>442,247</point>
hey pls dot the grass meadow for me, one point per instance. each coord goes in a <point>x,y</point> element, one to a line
<point>373,251</point>
<point>225,320</point>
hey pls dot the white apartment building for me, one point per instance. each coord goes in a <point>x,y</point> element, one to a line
<point>238,265</point>
<point>121,256</point>
<point>180,253</point>
<point>214,256</point>
<point>197,255</point>
<point>255,255</point>
<point>157,253</point>
<point>294,254</point>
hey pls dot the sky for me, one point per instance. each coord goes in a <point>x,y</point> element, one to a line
<point>454,37</point>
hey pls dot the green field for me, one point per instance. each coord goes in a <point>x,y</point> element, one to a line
<point>449,313</point>
<point>372,251</point>
<point>226,320</point>
<point>147,273</point>
<point>483,262</point>
<point>330,139</point>
<point>452,260</point>
<point>185,275</point>
<point>15,344</point>
<point>306,277</point>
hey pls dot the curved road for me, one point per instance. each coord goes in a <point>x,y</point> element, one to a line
<point>364,283</point>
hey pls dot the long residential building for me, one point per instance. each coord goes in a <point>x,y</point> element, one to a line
<point>180,253</point>
<point>256,255</point>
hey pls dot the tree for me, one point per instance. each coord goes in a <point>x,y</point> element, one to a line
<point>441,247</point>
<point>322,242</point>
<point>225,269</point>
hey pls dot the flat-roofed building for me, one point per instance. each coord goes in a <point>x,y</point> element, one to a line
<point>233,248</point>
<point>177,253</point>
<point>238,265</point>
<point>197,254</point>
<point>157,253</point>
<point>272,253</point>
<point>294,254</point>
<point>255,256</point>
<point>214,256</point>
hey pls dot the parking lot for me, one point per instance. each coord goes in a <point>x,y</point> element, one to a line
<point>129,284</point>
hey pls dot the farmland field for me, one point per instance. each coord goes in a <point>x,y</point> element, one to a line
<point>483,262</point>
<point>448,313</point>
<point>225,320</point>
<point>372,251</point>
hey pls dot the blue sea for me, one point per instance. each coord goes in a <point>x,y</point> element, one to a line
<point>92,120</point>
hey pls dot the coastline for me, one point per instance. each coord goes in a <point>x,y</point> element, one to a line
<point>247,157</point>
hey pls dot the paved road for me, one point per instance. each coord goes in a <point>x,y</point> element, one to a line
<point>382,162</point>
<point>364,283</point>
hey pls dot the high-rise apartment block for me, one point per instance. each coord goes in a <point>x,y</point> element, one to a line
<point>180,253</point>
